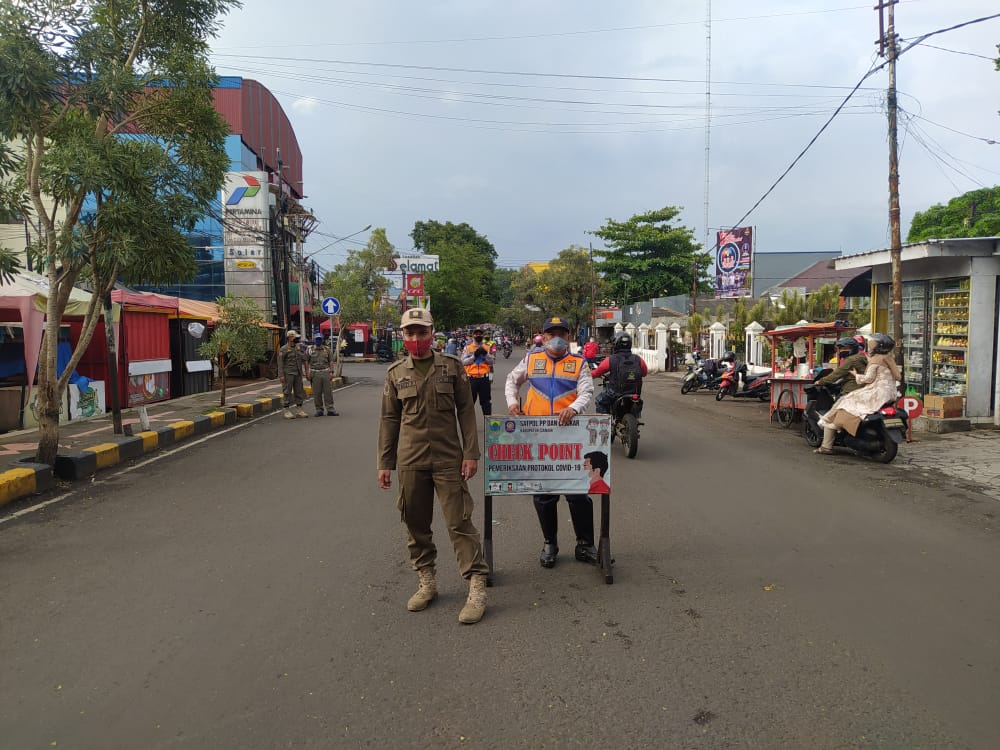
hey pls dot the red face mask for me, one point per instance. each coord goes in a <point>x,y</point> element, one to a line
<point>418,348</point>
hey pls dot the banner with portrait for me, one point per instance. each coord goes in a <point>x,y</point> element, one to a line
<point>538,456</point>
<point>733,263</point>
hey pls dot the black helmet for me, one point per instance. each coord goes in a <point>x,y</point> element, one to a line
<point>622,342</point>
<point>729,356</point>
<point>847,343</point>
<point>883,343</point>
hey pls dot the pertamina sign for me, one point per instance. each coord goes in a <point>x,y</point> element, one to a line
<point>246,235</point>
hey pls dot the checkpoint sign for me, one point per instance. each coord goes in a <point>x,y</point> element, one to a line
<point>331,305</point>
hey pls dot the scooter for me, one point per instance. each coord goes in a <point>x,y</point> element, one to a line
<point>879,433</point>
<point>626,411</point>
<point>507,348</point>
<point>697,378</point>
<point>754,386</point>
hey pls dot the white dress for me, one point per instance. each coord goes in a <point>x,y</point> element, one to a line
<point>880,387</point>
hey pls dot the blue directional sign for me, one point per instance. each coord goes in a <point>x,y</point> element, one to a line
<point>331,305</point>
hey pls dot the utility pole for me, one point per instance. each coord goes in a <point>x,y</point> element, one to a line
<point>593,293</point>
<point>889,50</point>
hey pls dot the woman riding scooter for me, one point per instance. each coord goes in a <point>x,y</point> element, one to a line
<point>879,387</point>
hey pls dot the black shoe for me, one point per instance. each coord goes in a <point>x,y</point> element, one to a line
<point>548,556</point>
<point>319,412</point>
<point>332,413</point>
<point>586,553</point>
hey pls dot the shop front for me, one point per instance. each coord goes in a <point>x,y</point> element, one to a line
<point>949,315</point>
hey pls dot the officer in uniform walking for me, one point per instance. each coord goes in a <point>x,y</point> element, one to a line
<point>478,365</point>
<point>559,384</point>
<point>291,368</point>
<point>426,401</point>
<point>320,373</point>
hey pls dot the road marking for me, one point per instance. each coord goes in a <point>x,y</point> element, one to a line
<point>159,455</point>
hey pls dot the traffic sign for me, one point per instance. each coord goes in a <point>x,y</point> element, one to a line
<point>331,305</point>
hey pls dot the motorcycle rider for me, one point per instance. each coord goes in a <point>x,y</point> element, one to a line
<point>613,366</point>
<point>849,357</point>
<point>851,361</point>
<point>877,385</point>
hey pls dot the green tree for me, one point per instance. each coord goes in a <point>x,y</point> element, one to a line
<point>656,253</point>
<point>238,340</point>
<point>974,214</point>
<point>823,305</point>
<point>78,83</point>
<point>568,285</point>
<point>360,285</point>
<point>462,290</point>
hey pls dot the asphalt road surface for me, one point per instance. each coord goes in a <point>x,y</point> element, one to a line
<point>249,591</point>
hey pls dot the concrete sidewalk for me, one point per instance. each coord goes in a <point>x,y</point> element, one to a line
<point>85,446</point>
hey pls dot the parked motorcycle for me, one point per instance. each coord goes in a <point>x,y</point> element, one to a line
<point>385,354</point>
<point>626,411</point>
<point>879,433</point>
<point>697,377</point>
<point>754,386</point>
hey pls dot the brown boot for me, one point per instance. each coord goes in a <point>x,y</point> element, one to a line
<point>426,592</point>
<point>475,605</point>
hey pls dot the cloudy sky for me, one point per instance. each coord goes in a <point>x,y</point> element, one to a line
<point>537,120</point>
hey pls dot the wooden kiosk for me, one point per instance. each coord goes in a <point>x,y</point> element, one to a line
<point>788,383</point>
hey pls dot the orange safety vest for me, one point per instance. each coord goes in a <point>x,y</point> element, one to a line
<point>551,384</point>
<point>476,371</point>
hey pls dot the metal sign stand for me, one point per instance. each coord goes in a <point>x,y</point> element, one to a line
<point>604,559</point>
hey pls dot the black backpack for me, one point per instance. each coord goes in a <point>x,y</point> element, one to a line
<point>626,373</point>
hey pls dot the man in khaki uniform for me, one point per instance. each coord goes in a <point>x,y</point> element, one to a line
<point>320,374</point>
<point>291,368</point>
<point>418,436</point>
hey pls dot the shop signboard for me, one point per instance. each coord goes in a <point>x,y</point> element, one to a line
<point>245,220</point>
<point>538,456</point>
<point>733,260</point>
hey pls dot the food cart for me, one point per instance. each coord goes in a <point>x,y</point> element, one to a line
<point>789,381</point>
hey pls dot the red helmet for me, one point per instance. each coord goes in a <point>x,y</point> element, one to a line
<point>861,340</point>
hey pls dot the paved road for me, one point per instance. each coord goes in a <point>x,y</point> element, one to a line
<point>249,592</point>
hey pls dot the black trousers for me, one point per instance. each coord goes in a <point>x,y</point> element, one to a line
<point>482,390</point>
<point>581,511</point>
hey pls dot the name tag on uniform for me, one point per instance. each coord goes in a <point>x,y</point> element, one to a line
<point>570,366</point>
<point>406,382</point>
<point>443,379</point>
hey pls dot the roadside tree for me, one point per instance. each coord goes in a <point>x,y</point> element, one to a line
<point>974,214</point>
<point>112,103</point>
<point>238,340</point>
<point>657,254</point>
<point>463,289</point>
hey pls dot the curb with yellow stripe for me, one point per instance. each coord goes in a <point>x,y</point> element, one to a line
<point>30,478</point>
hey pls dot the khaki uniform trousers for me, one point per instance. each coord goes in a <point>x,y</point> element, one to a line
<point>322,390</point>
<point>416,506</point>
<point>293,390</point>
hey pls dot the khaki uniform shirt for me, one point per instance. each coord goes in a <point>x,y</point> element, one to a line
<point>843,375</point>
<point>418,428</point>
<point>290,360</point>
<point>319,357</point>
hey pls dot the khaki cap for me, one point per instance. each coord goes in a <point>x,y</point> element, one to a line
<point>416,316</point>
<point>292,334</point>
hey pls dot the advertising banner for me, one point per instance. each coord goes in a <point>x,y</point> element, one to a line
<point>538,456</point>
<point>415,285</point>
<point>733,263</point>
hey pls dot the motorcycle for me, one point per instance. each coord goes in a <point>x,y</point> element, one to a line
<point>754,386</point>
<point>384,354</point>
<point>626,411</point>
<point>697,378</point>
<point>879,433</point>
<point>507,348</point>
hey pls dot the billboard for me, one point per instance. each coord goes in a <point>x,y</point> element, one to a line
<point>415,263</point>
<point>246,235</point>
<point>733,262</point>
